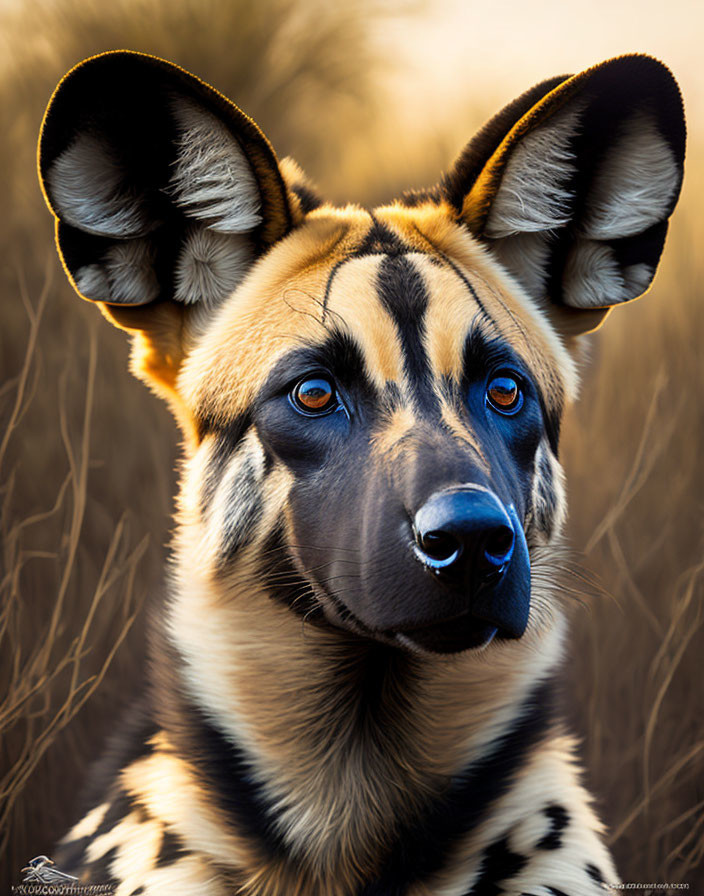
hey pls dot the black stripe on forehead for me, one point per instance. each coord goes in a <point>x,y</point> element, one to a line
<point>403,294</point>
<point>328,288</point>
<point>381,240</point>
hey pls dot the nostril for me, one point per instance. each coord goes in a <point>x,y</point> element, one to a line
<point>439,545</point>
<point>437,549</point>
<point>498,545</point>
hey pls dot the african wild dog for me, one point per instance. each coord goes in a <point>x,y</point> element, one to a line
<point>351,682</point>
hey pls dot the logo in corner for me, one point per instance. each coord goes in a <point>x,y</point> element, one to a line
<point>43,878</point>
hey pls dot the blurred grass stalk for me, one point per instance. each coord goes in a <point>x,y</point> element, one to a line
<point>633,452</point>
<point>42,659</point>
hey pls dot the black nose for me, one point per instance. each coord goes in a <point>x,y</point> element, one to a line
<point>464,533</point>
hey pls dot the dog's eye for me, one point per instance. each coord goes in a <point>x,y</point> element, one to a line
<point>314,395</point>
<point>504,393</point>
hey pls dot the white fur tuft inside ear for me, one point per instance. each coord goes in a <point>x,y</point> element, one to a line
<point>210,265</point>
<point>92,282</point>
<point>213,180</point>
<point>634,187</point>
<point>525,255</point>
<point>130,269</point>
<point>85,185</point>
<point>535,192</point>
<point>125,275</point>
<point>592,277</point>
<point>637,278</point>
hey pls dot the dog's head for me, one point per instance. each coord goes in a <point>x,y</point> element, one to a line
<point>372,400</point>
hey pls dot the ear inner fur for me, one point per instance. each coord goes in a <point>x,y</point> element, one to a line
<point>620,141</point>
<point>127,211</point>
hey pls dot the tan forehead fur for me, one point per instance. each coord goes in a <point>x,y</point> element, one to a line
<point>280,307</point>
<point>433,229</point>
<point>354,305</point>
<point>277,308</point>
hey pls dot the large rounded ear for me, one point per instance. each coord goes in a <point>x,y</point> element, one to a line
<point>164,192</point>
<point>162,188</point>
<point>572,185</point>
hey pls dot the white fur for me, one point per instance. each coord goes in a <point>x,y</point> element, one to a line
<point>557,483</point>
<point>137,852</point>
<point>528,832</point>
<point>125,275</point>
<point>130,270</point>
<point>534,193</point>
<point>213,180</point>
<point>186,877</point>
<point>169,791</point>
<point>592,276</point>
<point>88,825</point>
<point>117,835</point>
<point>239,497</point>
<point>92,282</point>
<point>637,278</point>
<point>550,776</point>
<point>235,498</point>
<point>525,255</point>
<point>210,265</point>
<point>87,188</point>
<point>635,185</point>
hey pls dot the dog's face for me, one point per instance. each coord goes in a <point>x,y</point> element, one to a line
<point>373,399</point>
<point>399,405</point>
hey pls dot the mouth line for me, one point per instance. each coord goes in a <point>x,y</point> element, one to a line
<point>447,638</point>
<point>466,622</point>
<point>437,638</point>
<point>480,620</point>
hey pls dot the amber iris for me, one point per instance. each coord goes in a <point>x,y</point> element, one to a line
<point>503,393</point>
<point>314,395</point>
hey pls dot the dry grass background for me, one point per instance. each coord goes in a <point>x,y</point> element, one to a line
<point>87,455</point>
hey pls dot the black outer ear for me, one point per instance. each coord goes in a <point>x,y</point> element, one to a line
<point>477,153</point>
<point>573,183</point>
<point>161,187</point>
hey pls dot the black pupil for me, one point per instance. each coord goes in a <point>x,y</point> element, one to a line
<point>315,394</point>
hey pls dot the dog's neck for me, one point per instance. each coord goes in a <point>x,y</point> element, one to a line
<point>322,744</point>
